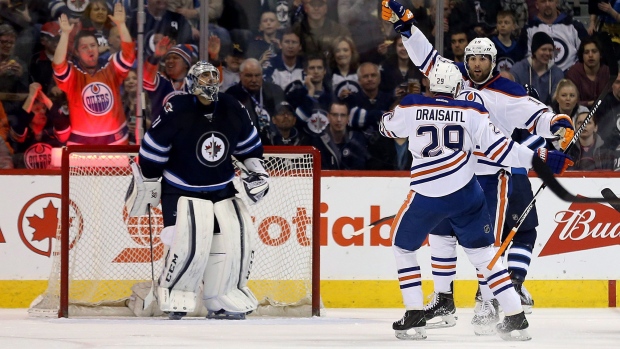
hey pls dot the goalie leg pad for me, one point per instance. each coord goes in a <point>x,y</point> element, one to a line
<point>188,255</point>
<point>228,268</point>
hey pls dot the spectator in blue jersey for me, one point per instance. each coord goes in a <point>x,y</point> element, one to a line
<point>397,70</point>
<point>285,132</point>
<point>258,96</point>
<point>341,148</point>
<point>509,50</point>
<point>343,64</point>
<point>33,134</point>
<point>311,97</point>
<point>539,70</point>
<point>287,66</point>
<point>565,32</point>
<point>161,86</point>
<point>160,22</point>
<point>367,105</point>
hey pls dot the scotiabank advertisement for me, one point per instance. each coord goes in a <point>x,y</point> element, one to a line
<point>575,241</point>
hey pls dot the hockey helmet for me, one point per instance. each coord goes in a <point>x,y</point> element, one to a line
<point>203,79</point>
<point>445,77</point>
<point>481,46</point>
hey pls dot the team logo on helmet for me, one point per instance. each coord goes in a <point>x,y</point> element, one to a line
<point>97,98</point>
<point>212,148</point>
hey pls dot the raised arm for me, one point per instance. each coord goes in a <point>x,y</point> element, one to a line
<point>60,55</point>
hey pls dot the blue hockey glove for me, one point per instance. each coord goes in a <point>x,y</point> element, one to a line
<point>557,161</point>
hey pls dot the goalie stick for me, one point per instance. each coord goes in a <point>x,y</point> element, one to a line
<point>150,297</point>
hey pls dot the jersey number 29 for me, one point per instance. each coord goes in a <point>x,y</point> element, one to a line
<point>451,136</point>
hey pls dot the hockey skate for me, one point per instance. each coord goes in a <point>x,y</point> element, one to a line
<point>512,323</point>
<point>413,319</point>
<point>526,298</point>
<point>225,315</point>
<point>478,300</point>
<point>442,305</point>
<point>485,318</point>
<point>176,315</point>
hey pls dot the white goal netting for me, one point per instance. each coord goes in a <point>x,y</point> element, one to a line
<point>109,252</point>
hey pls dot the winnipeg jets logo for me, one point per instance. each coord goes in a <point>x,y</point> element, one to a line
<point>212,148</point>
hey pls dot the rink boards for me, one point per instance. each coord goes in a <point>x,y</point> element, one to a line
<point>570,264</point>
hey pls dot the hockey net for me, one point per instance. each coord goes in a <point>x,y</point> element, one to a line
<point>100,253</point>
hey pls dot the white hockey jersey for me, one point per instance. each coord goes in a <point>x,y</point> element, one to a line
<point>508,104</point>
<point>445,136</point>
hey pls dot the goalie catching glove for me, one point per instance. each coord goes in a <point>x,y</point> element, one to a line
<point>255,179</point>
<point>141,193</point>
<point>562,127</point>
<point>557,161</point>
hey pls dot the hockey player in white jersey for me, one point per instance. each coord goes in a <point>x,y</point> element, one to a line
<point>444,134</point>
<point>510,109</point>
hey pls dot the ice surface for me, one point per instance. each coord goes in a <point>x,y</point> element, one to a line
<point>353,328</point>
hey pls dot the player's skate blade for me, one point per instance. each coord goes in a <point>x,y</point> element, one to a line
<point>225,315</point>
<point>446,321</point>
<point>412,320</point>
<point>516,324</point>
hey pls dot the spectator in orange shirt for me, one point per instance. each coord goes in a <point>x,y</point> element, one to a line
<point>95,106</point>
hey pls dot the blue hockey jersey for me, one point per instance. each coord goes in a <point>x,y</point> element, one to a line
<point>190,144</point>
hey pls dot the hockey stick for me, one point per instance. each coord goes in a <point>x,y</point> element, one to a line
<point>530,206</point>
<point>611,197</point>
<point>544,172</point>
<point>371,225</point>
<point>150,297</point>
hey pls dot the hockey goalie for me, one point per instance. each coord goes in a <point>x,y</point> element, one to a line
<point>186,158</point>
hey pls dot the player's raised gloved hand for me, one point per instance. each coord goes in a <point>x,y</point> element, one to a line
<point>562,127</point>
<point>557,161</point>
<point>396,13</point>
<point>256,185</point>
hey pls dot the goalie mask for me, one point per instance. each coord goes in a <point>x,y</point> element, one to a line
<point>203,79</point>
<point>480,46</point>
<point>445,77</point>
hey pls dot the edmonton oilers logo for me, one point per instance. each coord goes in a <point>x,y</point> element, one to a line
<point>97,98</point>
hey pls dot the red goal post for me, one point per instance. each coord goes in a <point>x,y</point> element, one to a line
<point>103,254</point>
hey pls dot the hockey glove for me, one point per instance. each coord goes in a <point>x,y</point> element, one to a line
<point>401,17</point>
<point>256,185</point>
<point>557,161</point>
<point>562,127</point>
<point>393,11</point>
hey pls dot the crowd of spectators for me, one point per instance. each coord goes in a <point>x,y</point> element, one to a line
<point>310,72</point>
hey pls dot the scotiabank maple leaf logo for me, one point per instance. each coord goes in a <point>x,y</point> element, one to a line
<point>583,227</point>
<point>44,227</point>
